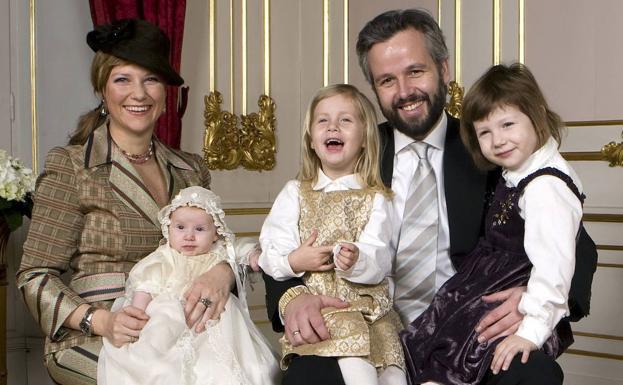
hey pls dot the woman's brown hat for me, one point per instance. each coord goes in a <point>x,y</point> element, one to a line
<point>138,42</point>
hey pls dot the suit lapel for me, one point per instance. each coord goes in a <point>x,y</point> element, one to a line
<point>97,150</point>
<point>465,191</point>
<point>178,172</point>
<point>128,186</point>
<point>126,182</point>
<point>386,134</point>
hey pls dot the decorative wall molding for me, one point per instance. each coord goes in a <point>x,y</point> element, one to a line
<point>522,31</point>
<point>228,145</point>
<point>457,42</point>
<point>248,211</point>
<point>592,123</point>
<point>455,104</point>
<point>248,140</point>
<point>33,85</point>
<point>257,136</point>
<point>583,156</point>
<point>247,234</point>
<point>608,218</point>
<point>613,152</point>
<point>610,247</point>
<point>589,353</point>
<point>610,265</point>
<point>497,30</point>
<point>597,335</point>
<point>221,141</point>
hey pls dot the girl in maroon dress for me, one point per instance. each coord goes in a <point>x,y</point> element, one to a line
<point>531,224</point>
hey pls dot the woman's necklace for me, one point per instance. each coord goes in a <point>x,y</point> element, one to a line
<point>140,158</point>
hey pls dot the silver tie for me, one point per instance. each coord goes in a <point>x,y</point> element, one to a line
<point>414,269</point>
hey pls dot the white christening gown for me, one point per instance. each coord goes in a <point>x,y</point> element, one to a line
<point>231,351</point>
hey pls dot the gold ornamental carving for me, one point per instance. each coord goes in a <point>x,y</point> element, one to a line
<point>221,142</point>
<point>257,137</point>
<point>613,153</point>
<point>229,145</point>
<point>245,140</point>
<point>455,104</point>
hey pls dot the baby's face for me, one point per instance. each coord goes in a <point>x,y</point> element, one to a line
<point>192,231</point>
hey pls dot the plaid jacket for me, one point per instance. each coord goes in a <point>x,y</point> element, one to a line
<point>93,219</point>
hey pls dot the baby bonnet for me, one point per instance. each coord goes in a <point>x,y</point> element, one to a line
<point>196,196</point>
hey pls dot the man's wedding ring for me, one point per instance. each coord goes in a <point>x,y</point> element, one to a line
<point>206,302</point>
<point>296,332</point>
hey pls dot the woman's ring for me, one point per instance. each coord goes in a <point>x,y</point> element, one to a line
<point>206,302</point>
<point>296,332</point>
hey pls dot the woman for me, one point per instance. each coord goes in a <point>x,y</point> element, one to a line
<point>96,206</point>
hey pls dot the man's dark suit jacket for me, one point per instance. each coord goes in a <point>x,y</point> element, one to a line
<point>466,188</point>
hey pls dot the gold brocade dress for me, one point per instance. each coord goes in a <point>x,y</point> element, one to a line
<point>369,327</point>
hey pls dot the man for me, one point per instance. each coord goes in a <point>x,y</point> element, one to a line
<point>404,57</point>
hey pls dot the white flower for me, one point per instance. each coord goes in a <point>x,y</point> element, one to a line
<point>15,180</point>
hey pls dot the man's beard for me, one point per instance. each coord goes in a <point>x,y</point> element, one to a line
<point>419,128</point>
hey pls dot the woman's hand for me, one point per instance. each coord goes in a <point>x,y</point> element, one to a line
<point>208,295</point>
<point>120,327</point>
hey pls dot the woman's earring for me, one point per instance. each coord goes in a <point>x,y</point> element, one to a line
<point>103,111</point>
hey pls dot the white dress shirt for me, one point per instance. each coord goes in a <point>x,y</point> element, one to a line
<point>280,234</point>
<point>552,215</point>
<point>405,164</point>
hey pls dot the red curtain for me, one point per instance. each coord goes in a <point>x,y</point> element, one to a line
<point>169,16</point>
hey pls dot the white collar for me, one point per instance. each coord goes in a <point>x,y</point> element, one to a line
<point>436,138</point>
<point>349,181</point>
<point>537,160</point>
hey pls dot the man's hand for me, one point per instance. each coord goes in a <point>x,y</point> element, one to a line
<point>303,321</point>
<point>347,257</point>
<point>504,320</point>
<point>507,349</point>
<point>311,258</point>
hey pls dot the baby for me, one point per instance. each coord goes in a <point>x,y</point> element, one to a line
<point>231,350</point>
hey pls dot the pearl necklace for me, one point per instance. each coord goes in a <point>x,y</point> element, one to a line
<point>140,158</point>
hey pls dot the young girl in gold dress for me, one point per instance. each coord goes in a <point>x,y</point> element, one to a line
<point>331,227</point>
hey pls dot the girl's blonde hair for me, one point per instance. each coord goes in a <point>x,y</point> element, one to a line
<point>367,167</point>
<point>502,86</point>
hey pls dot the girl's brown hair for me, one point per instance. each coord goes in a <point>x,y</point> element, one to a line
<point>367,166</point>
<point>502,86</point>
